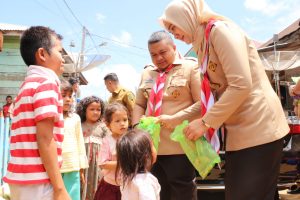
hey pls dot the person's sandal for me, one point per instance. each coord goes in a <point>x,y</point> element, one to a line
<point>294,189</point>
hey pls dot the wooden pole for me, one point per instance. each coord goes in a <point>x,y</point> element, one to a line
<point>1,41</point>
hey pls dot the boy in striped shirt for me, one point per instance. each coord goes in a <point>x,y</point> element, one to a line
<point>36,132</point>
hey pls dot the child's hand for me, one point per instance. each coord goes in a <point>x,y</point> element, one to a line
<point>291,92</point>
<point>297,110</point>
<point>61,195</point>
<point>154,153</point>
<point>82,178</point>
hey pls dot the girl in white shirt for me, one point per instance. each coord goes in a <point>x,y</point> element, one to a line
<point>73,150</point>
<point>135,156</point>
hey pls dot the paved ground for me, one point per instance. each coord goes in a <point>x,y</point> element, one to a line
<point>219,195</point>
<point>203,195</point>
<point>285,196</point>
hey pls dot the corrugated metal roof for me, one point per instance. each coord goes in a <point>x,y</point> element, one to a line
<point>288,30</point>
<point>12,27</point>
<point>16,29</point>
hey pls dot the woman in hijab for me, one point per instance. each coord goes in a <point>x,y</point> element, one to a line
<point>236,93</point>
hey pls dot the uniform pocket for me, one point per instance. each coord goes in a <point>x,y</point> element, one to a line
<point>177,87</point>
<point>177,82</point>
<point>146,88</point>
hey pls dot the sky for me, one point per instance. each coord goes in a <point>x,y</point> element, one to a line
<point>121,28</point>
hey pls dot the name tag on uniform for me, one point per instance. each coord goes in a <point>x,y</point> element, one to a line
<point>147,81</point>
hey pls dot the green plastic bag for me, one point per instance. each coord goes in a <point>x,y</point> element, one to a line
<point>149,125</point>
<point>199,152</point>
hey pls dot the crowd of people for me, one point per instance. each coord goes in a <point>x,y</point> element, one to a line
<point>62,148</point>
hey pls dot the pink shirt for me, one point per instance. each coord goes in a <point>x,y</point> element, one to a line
<point>108,153</point>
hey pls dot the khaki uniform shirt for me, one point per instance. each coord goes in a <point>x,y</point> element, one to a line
<point>125,97</point>
<point>181,98</point>
<point>247,104</point>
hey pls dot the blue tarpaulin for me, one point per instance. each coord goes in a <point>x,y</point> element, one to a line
<point>4,145</point>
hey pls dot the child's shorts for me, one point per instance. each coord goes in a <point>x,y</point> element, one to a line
<point>31,191</point>
<point>72,184</point>
<point>107,191</point>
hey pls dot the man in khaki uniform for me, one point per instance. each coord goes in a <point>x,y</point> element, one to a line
<point>180,101</point>
<point>118,93</point>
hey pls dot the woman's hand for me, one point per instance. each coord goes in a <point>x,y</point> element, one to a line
<point>195,129</point>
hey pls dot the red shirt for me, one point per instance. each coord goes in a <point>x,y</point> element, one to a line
<point>5,110</point>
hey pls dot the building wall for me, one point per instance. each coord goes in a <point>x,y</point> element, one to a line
<point>12,68</point>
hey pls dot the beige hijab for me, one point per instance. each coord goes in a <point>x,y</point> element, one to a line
<point>190,16</point>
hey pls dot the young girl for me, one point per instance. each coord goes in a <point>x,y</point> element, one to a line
<point>73,151</point>
<point>94,130</point>
<point>116,119</point>
<point>135,156</point>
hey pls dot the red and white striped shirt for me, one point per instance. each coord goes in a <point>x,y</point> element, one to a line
<point>39,98</point>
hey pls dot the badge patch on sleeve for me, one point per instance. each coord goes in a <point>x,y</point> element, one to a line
<point>130,96</point>
<point>149,81</point>
<point>214,86</point>
<point>212,66</point>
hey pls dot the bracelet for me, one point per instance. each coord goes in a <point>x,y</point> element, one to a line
<point>205,124</point>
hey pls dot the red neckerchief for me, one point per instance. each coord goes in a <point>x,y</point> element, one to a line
<point>207,98</point>
<point>156,95</point>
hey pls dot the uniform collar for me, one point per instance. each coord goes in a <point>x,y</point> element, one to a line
<point>177,61</point>
<point>117,91</point>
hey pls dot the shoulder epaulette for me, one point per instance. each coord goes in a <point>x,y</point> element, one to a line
<point>149,65</point>
<point>191,58</point>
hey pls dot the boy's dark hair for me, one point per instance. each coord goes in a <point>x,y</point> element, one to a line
<point>34,38</point>
<point>134,154</point>
<point>111,109</point>
<point>8,96</point>
<point>111,77</point>
<point>73,80</point>
<point>85,102</point>
<point>159,36</point>
<point>65,86</point>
